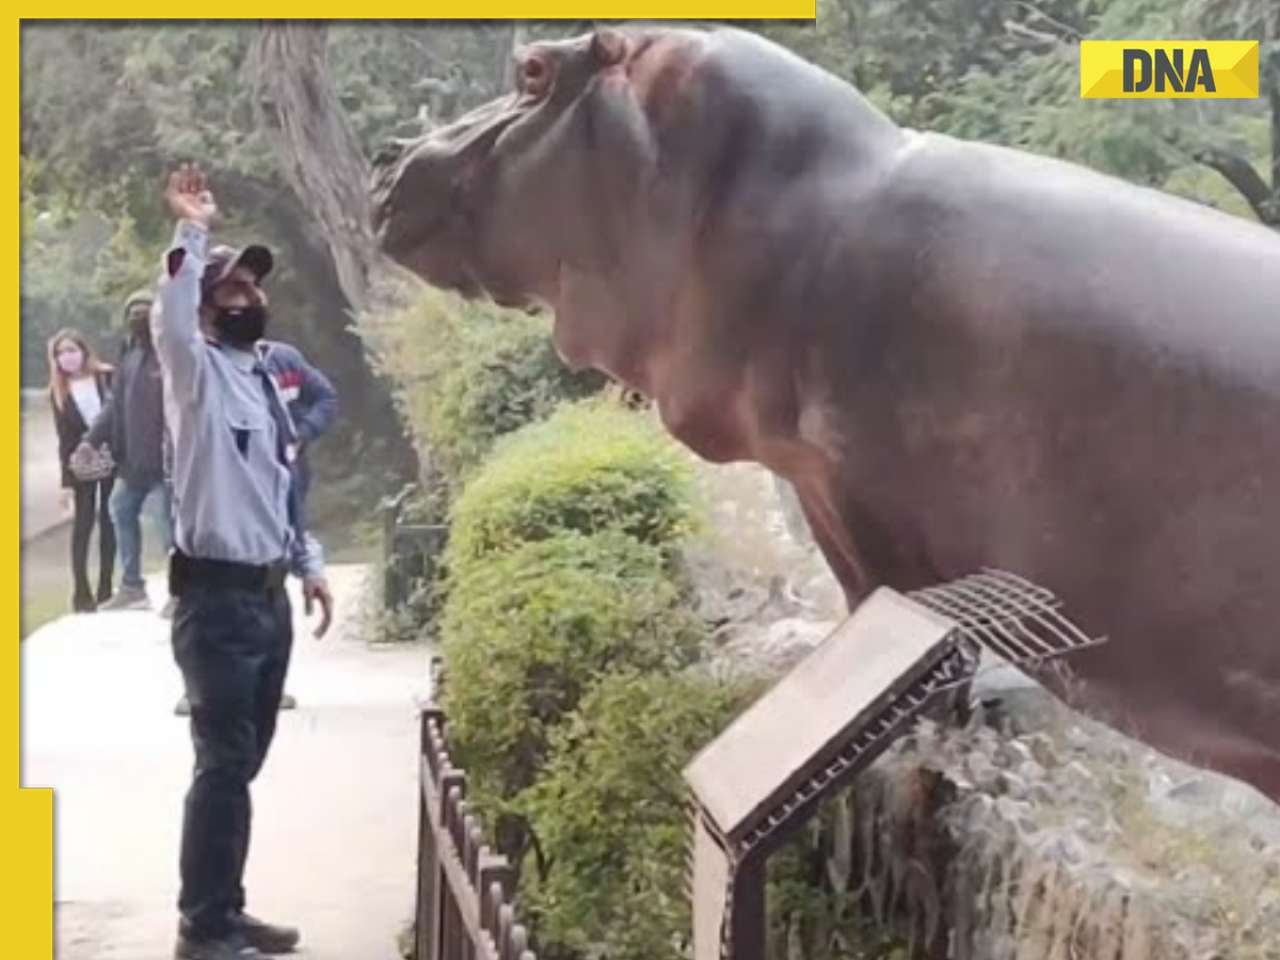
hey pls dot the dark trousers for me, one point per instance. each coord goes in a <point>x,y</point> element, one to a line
<point>91,508</point>
<point>233,646</point>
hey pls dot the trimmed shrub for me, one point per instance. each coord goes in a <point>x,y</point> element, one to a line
<point>611,818</point>
<point>466,373</point>
<point>593,466</point>
<point>512,376</point>
<point>529,631</point>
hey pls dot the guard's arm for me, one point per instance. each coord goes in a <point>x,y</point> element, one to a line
<point>306,556</point>
<point>175,316</point>
<point>308,563</point>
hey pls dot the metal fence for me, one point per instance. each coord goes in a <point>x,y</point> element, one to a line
<point>409,550</point>
<point>466,908</point>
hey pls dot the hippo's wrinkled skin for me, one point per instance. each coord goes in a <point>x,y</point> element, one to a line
<point>960,355</point>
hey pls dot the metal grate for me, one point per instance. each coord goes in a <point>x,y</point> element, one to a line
<point>1003,613</point>
<point>1012,617</point>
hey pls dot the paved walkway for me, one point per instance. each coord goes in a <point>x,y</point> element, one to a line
<point>334,828</point>
<point>41,473</point>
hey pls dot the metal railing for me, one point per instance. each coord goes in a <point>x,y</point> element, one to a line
<point>410,551</point>
<point>466,906</point>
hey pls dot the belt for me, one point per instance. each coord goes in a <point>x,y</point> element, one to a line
<point>197,571</point>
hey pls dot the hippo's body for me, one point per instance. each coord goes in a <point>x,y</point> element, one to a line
<point>961,356</point>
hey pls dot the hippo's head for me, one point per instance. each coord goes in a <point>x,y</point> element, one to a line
<point>493,202</point>
<point>651,185</point>
<point>537,197</point>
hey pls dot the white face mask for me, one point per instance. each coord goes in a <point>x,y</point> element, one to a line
<point>70,362</point>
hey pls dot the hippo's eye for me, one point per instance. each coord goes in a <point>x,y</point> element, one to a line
<point>534,75</point>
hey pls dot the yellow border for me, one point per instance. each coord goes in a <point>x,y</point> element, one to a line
<point>26,815</point>
<point>486,10</point>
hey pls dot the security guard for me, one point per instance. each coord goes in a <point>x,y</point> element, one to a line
<point>235,539</point>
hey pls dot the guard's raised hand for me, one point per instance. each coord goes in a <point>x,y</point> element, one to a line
<point>189,195</point>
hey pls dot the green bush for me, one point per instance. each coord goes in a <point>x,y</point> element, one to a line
<point>611,818</point>
<point>592,466</point>
<point>513,376</point>
<point>527,633</point>
<point>466,373</point>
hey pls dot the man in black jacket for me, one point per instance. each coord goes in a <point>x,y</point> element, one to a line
<point>132,422</point>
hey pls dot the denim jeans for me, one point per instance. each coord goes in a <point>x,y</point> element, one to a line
<point>126,510</point>
<point>233,648</point>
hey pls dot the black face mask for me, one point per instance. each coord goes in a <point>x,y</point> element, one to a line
<point>240,326</point>
<point>140,324</point>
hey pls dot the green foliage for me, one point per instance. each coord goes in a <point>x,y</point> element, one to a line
<point>593,466</point>
<point>611,817</point>
<point>76,271</point>
<point>528,632</point>
<point>1007,72</point>
<point>513,376</point>
<point>466,373</point>
<point>395,79</point>
<point>107,110</point>
<point>108,107</point>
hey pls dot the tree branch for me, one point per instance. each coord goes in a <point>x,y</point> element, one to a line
<point>1065,30</point>
<point>1240,173</point>
<point>1037,38</point>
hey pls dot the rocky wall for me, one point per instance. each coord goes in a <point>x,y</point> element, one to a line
<point>1045,836</point>
<point>1032,834</point>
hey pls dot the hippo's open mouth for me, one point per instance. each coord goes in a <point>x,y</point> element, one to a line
<point>492,203</point>
<point>423,212</point>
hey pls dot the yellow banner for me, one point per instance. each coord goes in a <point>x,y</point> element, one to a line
<point>698,10</point>
<point>1169,69</point>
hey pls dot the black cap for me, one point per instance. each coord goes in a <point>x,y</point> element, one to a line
<point>223,260</point>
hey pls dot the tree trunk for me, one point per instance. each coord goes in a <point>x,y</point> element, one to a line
<point>513,37</point>
<point>339,269</point>
<point>319,155</point>
<point>309,310</point>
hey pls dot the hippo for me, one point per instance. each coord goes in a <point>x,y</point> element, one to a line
<point>960,355</point>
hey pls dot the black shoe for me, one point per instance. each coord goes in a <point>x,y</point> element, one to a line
<point>83,603</point>
<point>266,937</point>
<point>233,947</point>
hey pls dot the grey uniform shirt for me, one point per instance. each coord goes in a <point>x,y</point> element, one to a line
<point>230,490</point>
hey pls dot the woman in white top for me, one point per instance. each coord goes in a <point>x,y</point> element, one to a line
<point>79,385</point>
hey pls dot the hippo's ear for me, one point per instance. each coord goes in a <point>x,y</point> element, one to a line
<point>608,47</point>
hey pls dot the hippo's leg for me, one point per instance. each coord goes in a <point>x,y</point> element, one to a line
<point>842,557</point>
<point>875,556</point>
